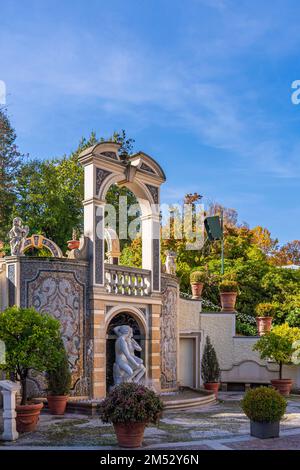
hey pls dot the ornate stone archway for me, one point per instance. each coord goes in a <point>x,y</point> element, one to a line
<point>132,318</point>
<point>141,175</point>
<point>39,242</point>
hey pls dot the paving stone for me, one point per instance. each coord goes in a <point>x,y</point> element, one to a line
<point>291,442</point>
<point>217,426</point>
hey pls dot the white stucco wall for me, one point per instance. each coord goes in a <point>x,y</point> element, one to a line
<point>189,315</point>
<point>220,327</point>
<point>238,361</point>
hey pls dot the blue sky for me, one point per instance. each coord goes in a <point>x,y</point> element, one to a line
<point>204,86</point>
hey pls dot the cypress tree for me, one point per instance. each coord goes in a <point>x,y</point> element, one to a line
<point>210,370</point>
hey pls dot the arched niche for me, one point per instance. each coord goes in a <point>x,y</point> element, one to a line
<point>133,319</point>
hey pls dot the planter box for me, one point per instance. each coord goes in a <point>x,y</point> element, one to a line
<point>264,430</point>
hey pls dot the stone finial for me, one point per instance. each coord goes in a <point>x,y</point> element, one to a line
<point>17,236</point>
<point>170,265</point>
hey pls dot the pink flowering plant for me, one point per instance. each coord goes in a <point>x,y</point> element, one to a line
<point>131,403</point>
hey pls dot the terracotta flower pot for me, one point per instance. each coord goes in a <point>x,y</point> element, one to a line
<point>214,386</point>
<point>263,325</point>
<point>28,417</point>
<point>129,434</point>
<point>283,386</point>
<point>73,244</point>
<point>57,404</point>
<point>228,300</point>
<point>197,288</point>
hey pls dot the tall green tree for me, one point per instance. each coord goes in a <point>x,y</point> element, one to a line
<point>50,192</point>
<point>10,160</point>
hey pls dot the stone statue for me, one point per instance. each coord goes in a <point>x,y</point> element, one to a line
<point>17,236</point>
<point>134,346</point>
<point>170,266</point>
<point>127,367</point>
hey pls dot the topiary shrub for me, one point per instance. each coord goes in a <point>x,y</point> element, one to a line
<point>228,286</point>
<point>263,405</point>
<point>210,370</point>
<point>59,377</point>
<point>266,309</point>
<point>198,276</point>
<point>131,402</point>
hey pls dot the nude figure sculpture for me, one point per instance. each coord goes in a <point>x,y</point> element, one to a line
<point>127,367</point>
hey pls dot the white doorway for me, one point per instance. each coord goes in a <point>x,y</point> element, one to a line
<point>187,362</point>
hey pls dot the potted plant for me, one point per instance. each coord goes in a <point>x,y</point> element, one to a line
<point>210,370</point>
<point>278,346</point>
<point>131,407</point>
<point>30,340</point>
<point>74,243</point>
<point>264,407</point>
<point>228,294</point>
<point>197,279</point>
<point>264,315</point>
<point>59,384</point>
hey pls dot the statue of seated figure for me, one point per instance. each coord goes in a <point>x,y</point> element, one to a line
<point>127,367</point>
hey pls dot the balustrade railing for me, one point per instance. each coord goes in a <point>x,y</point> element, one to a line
<point>122,280</point>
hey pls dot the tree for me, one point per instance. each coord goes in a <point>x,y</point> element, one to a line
<point>262,238</point>
<point>278,345</point>
<point>31,342</point>
<point>210,370</point>
<point>287,254</point>
<point>10,160</point>
<point>50,193</point>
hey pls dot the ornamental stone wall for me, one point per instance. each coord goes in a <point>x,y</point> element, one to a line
<point>59,287</point>
<point>3,300</point>
<point>169,332</point>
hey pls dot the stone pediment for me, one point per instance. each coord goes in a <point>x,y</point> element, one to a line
<point>147,164</point>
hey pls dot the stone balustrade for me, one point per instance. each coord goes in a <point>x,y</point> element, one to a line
<point>122,280</point>
<point>9,390</point>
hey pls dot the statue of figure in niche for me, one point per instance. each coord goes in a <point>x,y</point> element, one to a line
<point>127,367</point>
<point>17,236</point>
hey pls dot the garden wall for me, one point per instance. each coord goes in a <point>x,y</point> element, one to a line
<point>238,361</point>
<point>189,315</point>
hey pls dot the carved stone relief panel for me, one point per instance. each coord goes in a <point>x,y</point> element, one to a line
<point>62,296</point>
<point>169,333</point>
